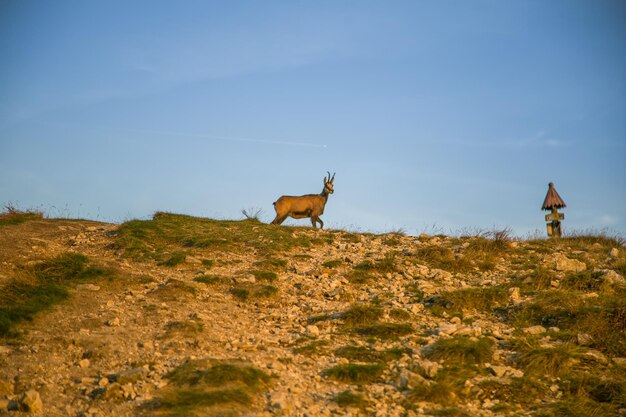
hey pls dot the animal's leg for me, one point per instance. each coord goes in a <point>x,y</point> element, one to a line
<point>278,219</point>
<point>315,220</point>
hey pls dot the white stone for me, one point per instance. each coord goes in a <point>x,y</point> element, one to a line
<point>584,339</point>
<point>612,278</point>
<point>535,330</point>
<point>87,287</point>
<point>447,328</point>
<point>563,263</point>
<point>31,402</point>
<point>313,330</point>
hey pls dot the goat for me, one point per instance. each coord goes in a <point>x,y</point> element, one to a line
<point>309,205</point>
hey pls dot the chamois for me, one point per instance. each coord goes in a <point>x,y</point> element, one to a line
<point>309,205</point>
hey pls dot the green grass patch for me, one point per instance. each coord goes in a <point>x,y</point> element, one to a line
<point>355,373</point>
<point>359,277</point>
<point>272,263</point>
<point>603,317</point>
<point>333,263</point>
<point>317,318</point>
<point>381,266</point>
<point>399,314</point>
<point>523,390</point>
<point>264,275</point>
<point>212,279</point>
<point>350,399</point>
<point>173,290</point>
<point>461,349</point>
<point>248,291</point>
<point>601,388</point>
<point>584,281</point>
<point>481,299</point>
<point>441,257</point>
<point>13,216</point>
<point>216,374</point>
<point>440,392</point>
<point>384,330</point>
<point>316,347</point>
<point>49,285</point>
<point>209,387</point>
<point>151,239</point>
<point>550,361</point>
<point>183,328</point>
<point>361,314</point>
<point>209,263</point>
<point>175,259</point>
<point>364,354</point>
<point>193,402</point>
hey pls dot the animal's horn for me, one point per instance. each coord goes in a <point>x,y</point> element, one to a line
<point>327,180</point>
<point>333,178</point>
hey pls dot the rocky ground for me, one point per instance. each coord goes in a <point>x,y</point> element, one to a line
<point>332,324</point>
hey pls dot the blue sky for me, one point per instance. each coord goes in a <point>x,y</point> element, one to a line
<point>435,115</point>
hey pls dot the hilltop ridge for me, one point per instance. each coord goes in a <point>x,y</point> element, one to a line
<point>183,316</point>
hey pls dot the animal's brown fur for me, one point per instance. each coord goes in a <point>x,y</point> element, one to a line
<point>300,207</point>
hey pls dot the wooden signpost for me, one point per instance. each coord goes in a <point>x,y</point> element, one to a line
<point>553,202</point>
<point>555,216</point>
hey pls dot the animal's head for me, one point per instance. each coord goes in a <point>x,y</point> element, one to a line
<point>328,183</point>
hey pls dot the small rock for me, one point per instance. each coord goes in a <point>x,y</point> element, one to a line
<point>612,278</point>
<point>87,381</point>
<point>103,382</point>
<point>597,355</point>
<point>514,295</point>
<point>447,328</point>
<point>4,404</point>
<point>84,363</point>
<point>313,330</point>
<point>408,380</point>
<point>87,287</point>
<point>535,330</point>
<point>280,401</point>
<point>498,371</point>
<point>131,375</point>
<point>563,263</point>
<point>113,322</point>
<point>584,339</point>
<point>6,388</point>
<point>31,402</point>
<point>129,391</point>
<point>614,253</point>
<point>619,361</point>
<point>417,308</point>
<point>430,368</point>
<point>114,390</point>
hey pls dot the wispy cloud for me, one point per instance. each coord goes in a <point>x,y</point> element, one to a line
<point>206,136</point>
<point>539,139</point>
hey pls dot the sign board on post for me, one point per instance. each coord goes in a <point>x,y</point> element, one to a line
<point>554,217</point>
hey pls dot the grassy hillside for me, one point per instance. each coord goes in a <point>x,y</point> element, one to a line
<point>180,315</point>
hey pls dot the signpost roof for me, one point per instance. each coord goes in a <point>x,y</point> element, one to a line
<point>553,199</point>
